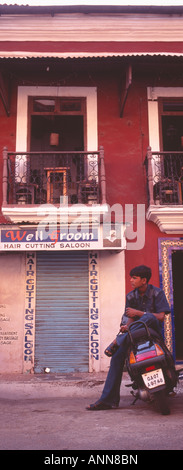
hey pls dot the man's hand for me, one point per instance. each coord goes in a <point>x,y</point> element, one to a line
<point>124,328</point>
<point>132,312</point>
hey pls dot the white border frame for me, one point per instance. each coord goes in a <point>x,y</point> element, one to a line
<point>168,218</point>
<point>153,115</point>
<point>90,93</point>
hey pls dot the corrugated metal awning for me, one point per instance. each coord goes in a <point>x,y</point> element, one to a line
<point>87,55</point>
<point>90,31</point>
<point>78,49</point>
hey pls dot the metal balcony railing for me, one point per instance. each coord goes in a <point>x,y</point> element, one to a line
<point>164,177</point>
<point>38,178</point>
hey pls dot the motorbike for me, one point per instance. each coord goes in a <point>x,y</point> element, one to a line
<point>150,366</point>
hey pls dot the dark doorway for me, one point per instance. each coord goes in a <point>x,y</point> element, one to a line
<point>70,131</point>
<point>171,139</point>
<point>172,132</point>
<point>177,269</point>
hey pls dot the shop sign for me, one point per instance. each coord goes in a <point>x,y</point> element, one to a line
<point>66,238</point>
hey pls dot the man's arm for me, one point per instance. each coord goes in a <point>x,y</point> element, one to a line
<point>132,312</point>
<point>124,328</point>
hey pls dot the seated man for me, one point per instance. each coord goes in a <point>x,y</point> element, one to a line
<point>145,302</point>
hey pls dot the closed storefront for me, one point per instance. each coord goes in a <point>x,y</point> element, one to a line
<point>57,306</point>
<point>61,320</point>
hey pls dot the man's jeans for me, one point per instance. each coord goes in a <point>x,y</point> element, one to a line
<point>111,390</point>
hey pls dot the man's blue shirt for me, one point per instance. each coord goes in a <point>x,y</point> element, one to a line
<point>153,301</point>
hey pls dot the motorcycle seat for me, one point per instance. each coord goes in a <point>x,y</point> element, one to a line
<point>141,333</point>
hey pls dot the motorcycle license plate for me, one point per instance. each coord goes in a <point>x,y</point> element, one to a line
<point>154,378</point>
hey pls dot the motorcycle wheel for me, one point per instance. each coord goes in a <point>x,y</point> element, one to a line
<point>162,401</point>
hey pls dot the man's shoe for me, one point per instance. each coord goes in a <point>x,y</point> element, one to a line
<point>115,406</point>
<point>99,405</point>
<point>111,349</point>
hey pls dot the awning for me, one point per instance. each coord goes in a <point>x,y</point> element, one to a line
<point>88,49</point>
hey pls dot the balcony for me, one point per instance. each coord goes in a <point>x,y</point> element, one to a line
<point>165,190</point>
<point>33,179</point>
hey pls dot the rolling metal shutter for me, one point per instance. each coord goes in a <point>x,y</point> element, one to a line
<point>62,304</point>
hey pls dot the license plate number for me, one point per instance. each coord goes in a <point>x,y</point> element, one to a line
<point>153,379</point>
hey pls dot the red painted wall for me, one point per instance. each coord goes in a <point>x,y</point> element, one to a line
<point>125,139</point>
<point>7,136</point>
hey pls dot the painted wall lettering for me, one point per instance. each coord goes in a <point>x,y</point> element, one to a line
<point>29,325</point>
<point>94,325</point>
<point>6,336</point>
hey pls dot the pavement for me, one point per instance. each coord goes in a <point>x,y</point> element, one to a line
<point>42,412</point>
<point>17,386</point>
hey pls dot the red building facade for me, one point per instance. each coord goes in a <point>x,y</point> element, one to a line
<point>91,110</point>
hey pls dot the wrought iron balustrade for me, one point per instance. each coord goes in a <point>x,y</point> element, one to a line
<point>39,178</point>
<point>164,177</point>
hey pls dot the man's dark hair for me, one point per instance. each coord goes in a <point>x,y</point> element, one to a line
<point>141,271</point>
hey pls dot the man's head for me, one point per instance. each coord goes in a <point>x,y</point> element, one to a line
<point>140,276</point>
